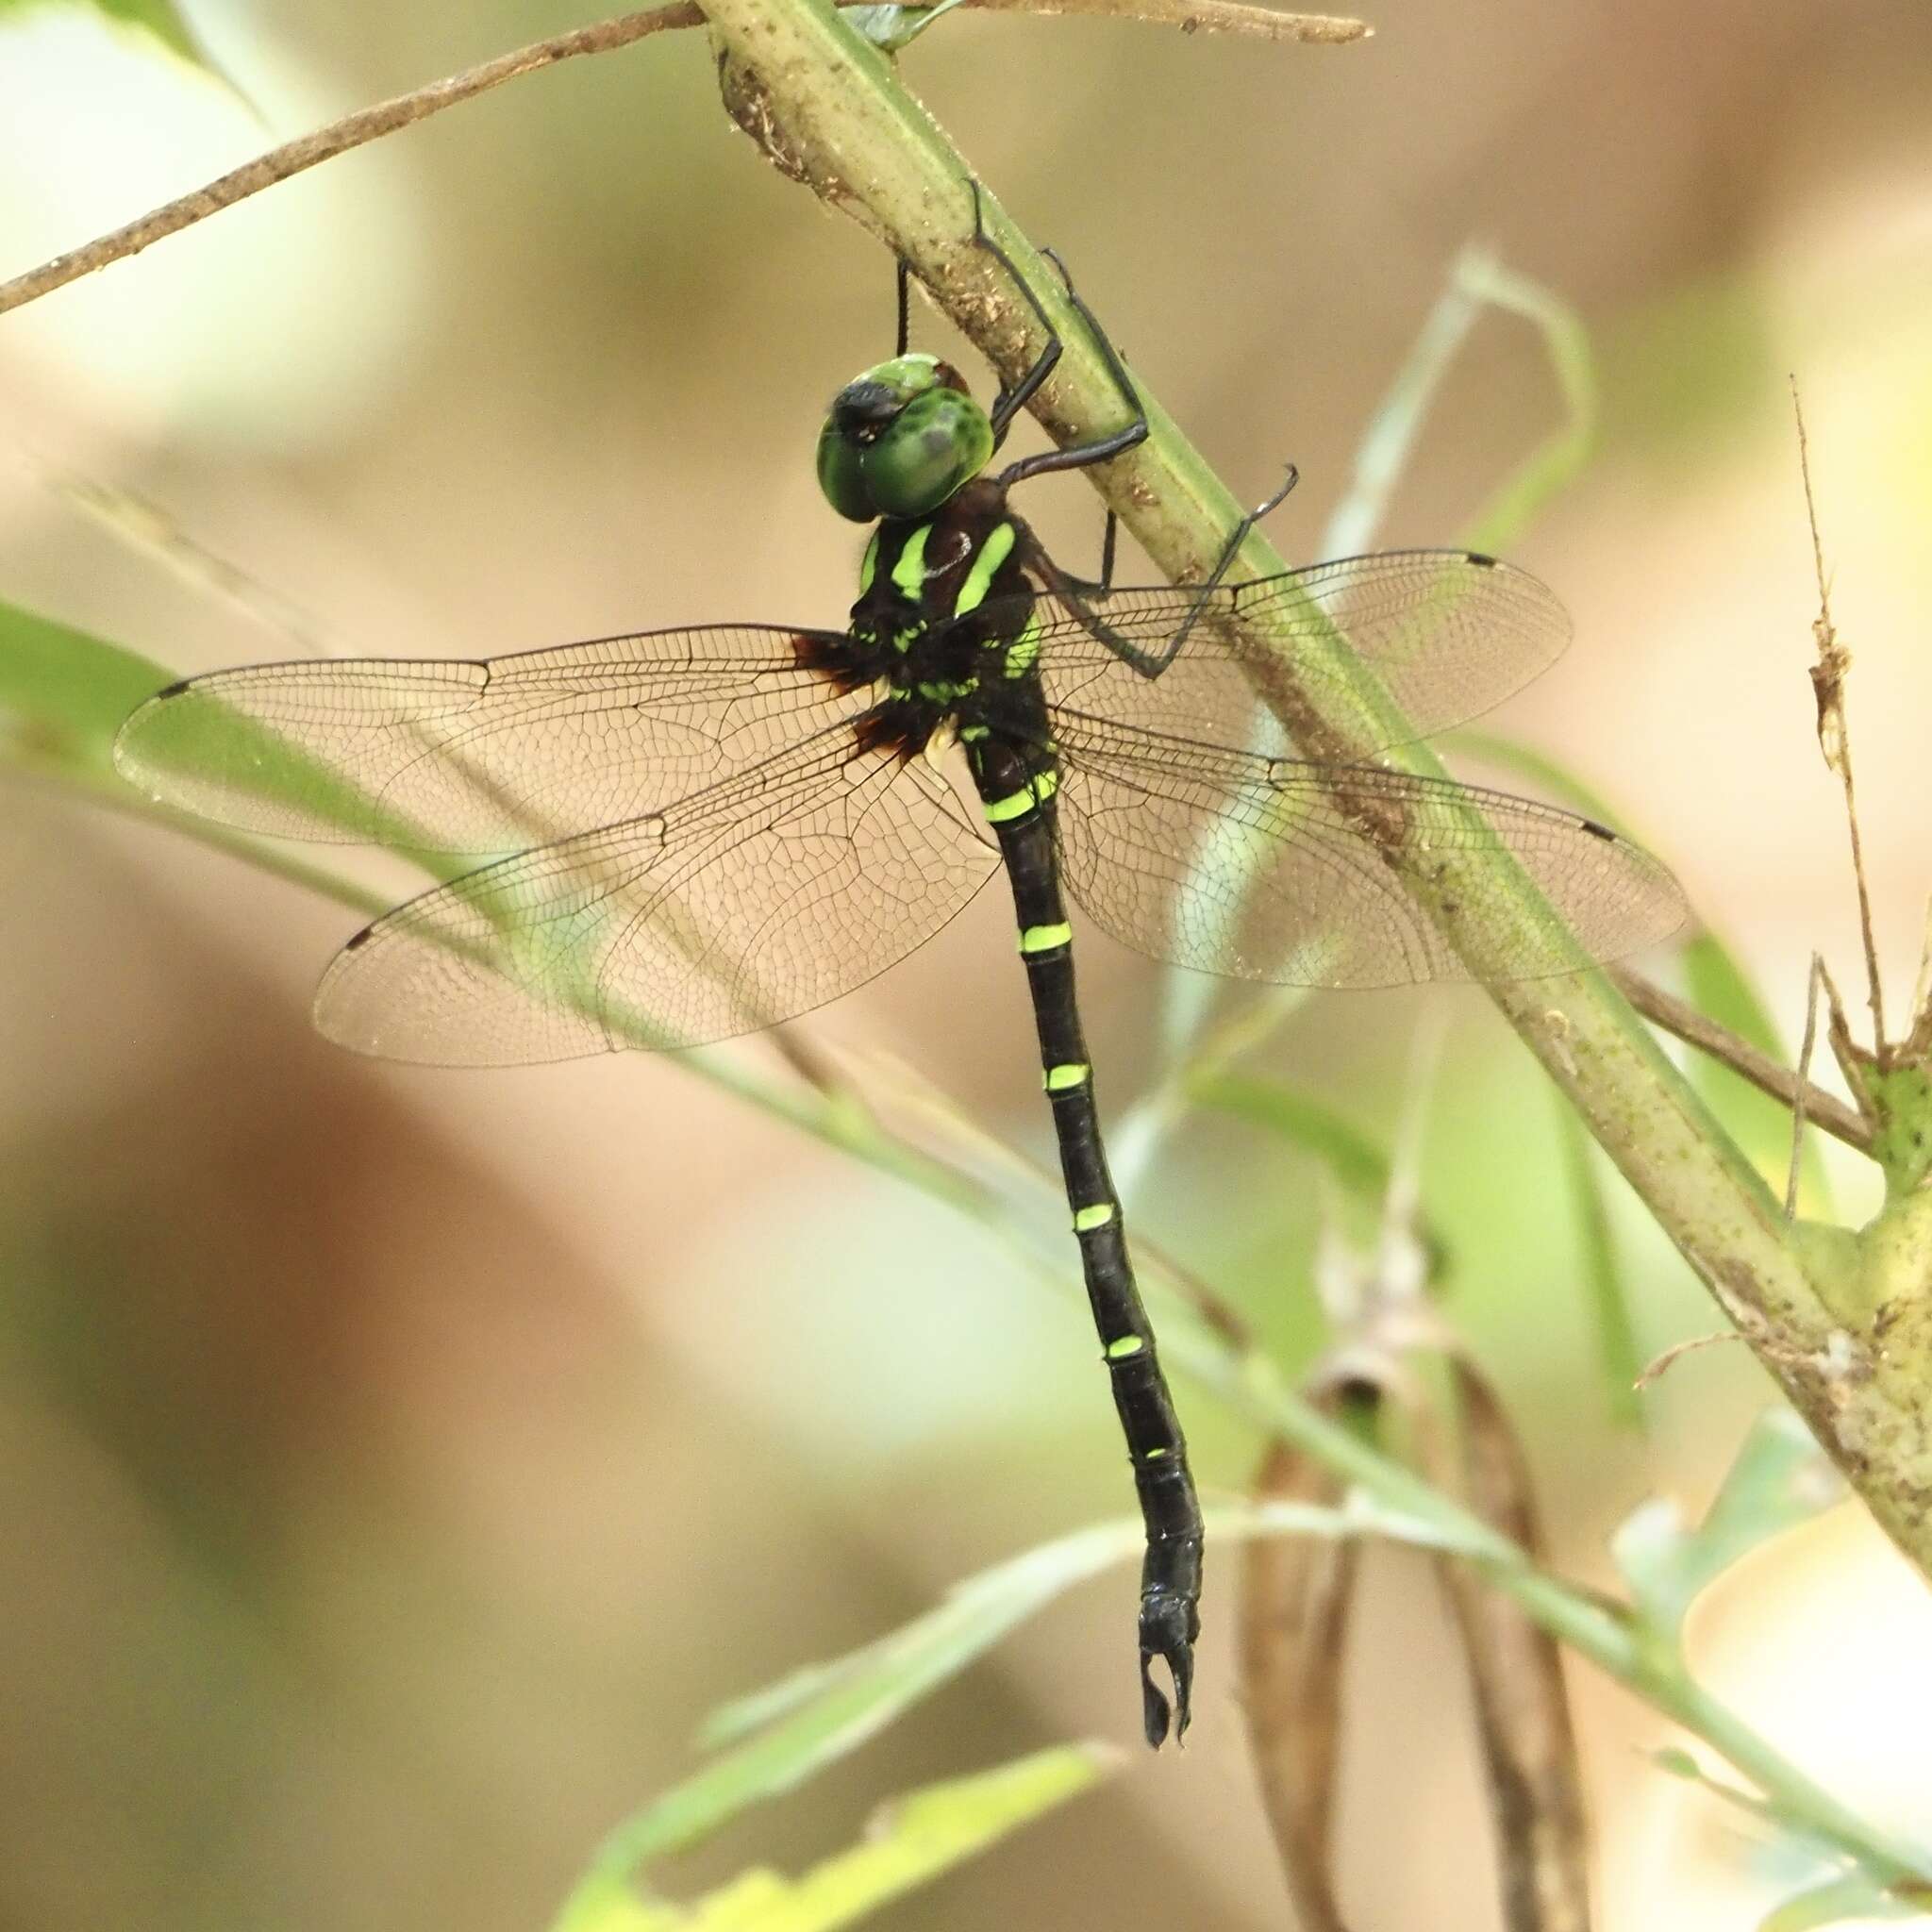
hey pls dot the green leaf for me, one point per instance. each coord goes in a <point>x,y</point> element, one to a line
<point>63,693</point>
<point>1356,1160</point>
<point>1541,771</point>
<point>1610,1294</point>
<point>1554,464</point>
<point>890,28</point>
<point>1857,1897</point>
<point>1383,450</point>
<point>1719,987</point>
<point>913,1839</point>
<point>156,17</point>
<point>1781,1477</point>
<point>790,1730</point>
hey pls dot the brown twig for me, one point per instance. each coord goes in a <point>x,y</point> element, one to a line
<point>400,110</point>
<point>339,137</point>
<point>1801,1109</point>
<point>1695,1029</point>
<point>1654,1370</point>
<point>1834,739</point>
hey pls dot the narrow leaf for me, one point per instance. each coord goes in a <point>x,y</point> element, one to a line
<point>1522,1708</point>
<point>784,1733</point>
<point>1555,463</point>
<point>1781,1477</point>
<point>63,693</point>
<point>160,19</point>
<point>1856,1897</point>
<point>1358,1162</point>
<point>1383,450</point>
<point>1610,1294</point>
<point>913,1840</point>
<point>1295,1596</point>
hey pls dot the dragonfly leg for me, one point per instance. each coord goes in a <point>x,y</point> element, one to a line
<point>1009,402</point>
<point>1101,586</point>
<point>1158,661</point>
<point>905,335</point>
<point>1102,449</point>
<point>1075,593</point>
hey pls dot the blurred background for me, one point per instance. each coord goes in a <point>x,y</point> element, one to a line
<point>397,1465</point>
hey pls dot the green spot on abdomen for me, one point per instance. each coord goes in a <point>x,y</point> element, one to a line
<point>1044,939</point>
<point>1015,805</point>
<point>1088,1219</point>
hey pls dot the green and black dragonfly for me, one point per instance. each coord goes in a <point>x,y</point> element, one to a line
<point>712,830</point>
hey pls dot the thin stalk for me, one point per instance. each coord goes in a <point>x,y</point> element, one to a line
<point>369,124</point>
<point>1594,1626</point>
<point>1770,1077</point>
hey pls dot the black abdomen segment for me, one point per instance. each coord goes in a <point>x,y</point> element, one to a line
<point>1017,797</point>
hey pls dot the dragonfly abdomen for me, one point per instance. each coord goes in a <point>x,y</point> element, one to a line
<point>1017,783</point>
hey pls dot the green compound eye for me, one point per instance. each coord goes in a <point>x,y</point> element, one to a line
<point>842,476</point>
<point>941,440</point>
<point>900,440</point>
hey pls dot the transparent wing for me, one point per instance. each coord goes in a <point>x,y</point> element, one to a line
<point>1269,868</point>
<point>490,755</point>
<point>1449,632</point>
<point>748,902</point>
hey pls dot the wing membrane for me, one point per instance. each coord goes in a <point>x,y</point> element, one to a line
<point>747,903</point>
<point>1450,634</point>
<point>1272,869</point>
<point>486,755</point>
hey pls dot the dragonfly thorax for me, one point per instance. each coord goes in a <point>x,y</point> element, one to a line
<point>944,628</point>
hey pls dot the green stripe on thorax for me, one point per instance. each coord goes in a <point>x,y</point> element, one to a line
<point>908,567</point>
<point>998,547</point>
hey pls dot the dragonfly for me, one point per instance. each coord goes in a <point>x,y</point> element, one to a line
<point>688,835</point>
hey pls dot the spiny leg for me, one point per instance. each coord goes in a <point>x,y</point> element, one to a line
<point>1103,449</point>
<point>1073,592</point>
<point>1159,663</point>
<point>905,336</point>
<point>1009,402</point>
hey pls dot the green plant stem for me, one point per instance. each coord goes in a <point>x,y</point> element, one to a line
<point>830,107</point>
<point>1606,1633</point>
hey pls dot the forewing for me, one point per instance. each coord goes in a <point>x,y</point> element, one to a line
<point>490,755</point>
<point>1450,633</point>
<point>747,903</point>
<point>1272,869</point>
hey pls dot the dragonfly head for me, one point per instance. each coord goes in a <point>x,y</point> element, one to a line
<point>900,440</point>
